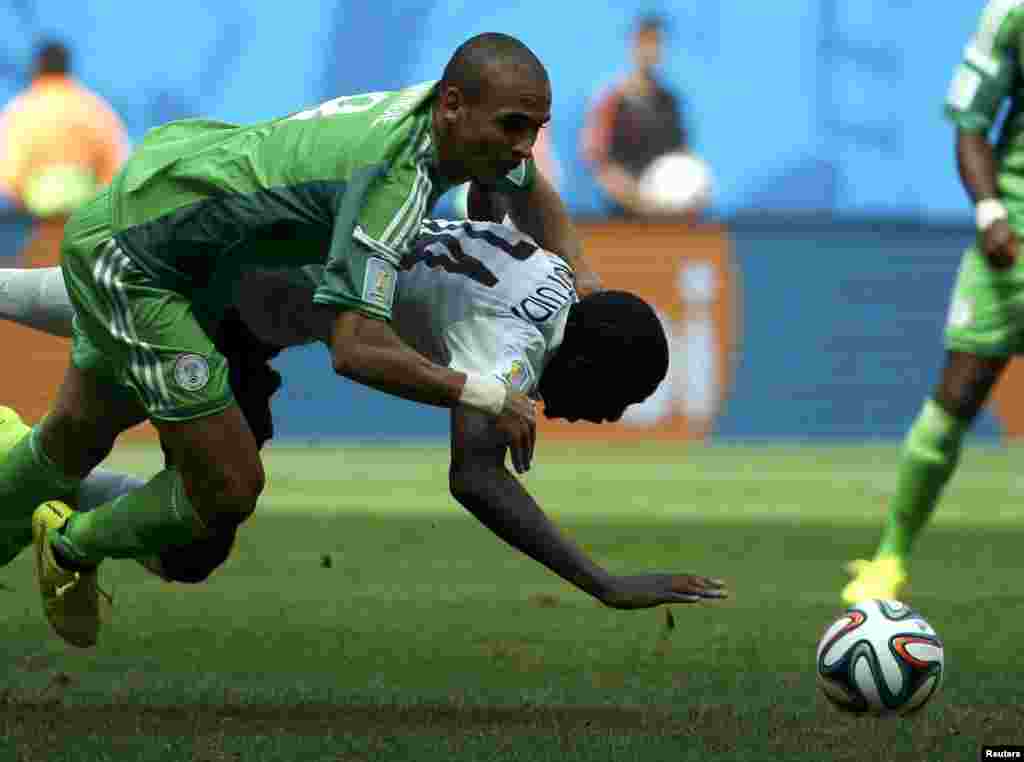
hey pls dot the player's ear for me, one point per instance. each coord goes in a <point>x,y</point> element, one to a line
<point>451,101</point>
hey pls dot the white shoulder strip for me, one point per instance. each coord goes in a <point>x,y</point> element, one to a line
<point>992,19</point>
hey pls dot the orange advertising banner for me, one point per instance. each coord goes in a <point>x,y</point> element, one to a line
<point>35,362</point>
<point>685,272</point>
<point>688,275</point>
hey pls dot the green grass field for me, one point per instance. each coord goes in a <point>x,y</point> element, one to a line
<point>425,638</point>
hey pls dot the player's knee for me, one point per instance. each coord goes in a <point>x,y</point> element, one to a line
<point>79,431</point>
<point>936,435</point>
<point>228,497</point>
<point>963,402</point>
<point>194,563</point>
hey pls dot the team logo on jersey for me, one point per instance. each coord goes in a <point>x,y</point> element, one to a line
<point>191,372</point>
<point>518,375</point>
<point>379,283</point>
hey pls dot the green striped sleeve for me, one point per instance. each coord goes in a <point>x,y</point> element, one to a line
<point>987,73</point>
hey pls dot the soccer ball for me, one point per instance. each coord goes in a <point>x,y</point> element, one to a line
<point>880,657</point>
<point>676,183</point>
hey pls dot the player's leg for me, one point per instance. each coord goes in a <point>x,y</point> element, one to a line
<point>48,461</point>
<point>253,382</point>
<point>28,473</point>
<point>83,423</point>
<point>174,367</point>
<point>12,431</point>
<point>981,335</point>
<point>212,488</point>
<point>36,298</point>
<point>931,450</point>
<point>215,473</point>
<point>146,338</point>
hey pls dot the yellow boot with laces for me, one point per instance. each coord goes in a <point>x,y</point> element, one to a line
<point>73,602</point>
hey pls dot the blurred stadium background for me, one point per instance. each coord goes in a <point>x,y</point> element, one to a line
<point>806,309</point>
<point>837,218</point>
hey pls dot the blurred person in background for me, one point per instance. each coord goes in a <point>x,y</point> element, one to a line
<point>59,144</point>
<point>636,141</point>
<point>985,324</point>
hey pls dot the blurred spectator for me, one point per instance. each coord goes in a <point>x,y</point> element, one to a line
<point>59,144</point>
<point>545,159</point>
<point>636,141</point>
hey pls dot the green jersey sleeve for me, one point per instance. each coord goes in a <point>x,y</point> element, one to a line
<point>387,194</point>
<point>363,281</point>
<point>360,273</point>
<point>989,69</point>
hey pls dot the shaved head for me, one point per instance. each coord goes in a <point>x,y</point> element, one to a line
<point>493,98</point>
<point>479,58</point>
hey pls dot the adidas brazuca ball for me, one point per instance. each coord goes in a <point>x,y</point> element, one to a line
<point>880,657</point>
<point>676,183</point>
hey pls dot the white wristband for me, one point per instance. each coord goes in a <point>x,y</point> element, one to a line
<point>484,393</point>
<point>987,211</point>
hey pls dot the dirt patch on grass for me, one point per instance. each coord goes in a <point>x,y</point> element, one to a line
<point>34,724</point>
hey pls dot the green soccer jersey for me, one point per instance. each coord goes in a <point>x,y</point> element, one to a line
<point>345,184</point>
<point>992,71</point>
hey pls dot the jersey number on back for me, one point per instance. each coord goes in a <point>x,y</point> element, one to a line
<point>455,259</point>
<point>346,104</point>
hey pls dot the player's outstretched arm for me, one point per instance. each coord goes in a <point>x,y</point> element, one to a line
<point>540,213</point>
<point>36,297</point>
<point>370,352</point>
<point>480,482</point>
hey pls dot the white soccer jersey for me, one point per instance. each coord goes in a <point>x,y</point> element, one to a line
<point>473,296</point>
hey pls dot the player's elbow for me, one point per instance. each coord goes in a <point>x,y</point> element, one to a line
<point>468,482</point>
<point>353,340</point>
<point>341,361</point>
<point>348,355</point>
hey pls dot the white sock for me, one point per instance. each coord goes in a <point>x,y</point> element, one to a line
<point>36,297</point>
<point>101,487</point>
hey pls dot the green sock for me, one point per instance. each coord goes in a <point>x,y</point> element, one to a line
<point>27,478</point>
<point>930,454</point>
<point>145,521</point>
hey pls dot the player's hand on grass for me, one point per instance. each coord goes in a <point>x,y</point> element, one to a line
<point>518,424</point>
<point>999,245</point>
<point>645,590</point>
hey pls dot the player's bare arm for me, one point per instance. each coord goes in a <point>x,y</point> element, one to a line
<point>368,350</point>
<point>481,483</point>
<point>978,170</point>
<point>540,213</point>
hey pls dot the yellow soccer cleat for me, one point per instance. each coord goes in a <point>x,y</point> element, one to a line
<point>12,429</point>
<point>72,600</point>
<point>881,579</point>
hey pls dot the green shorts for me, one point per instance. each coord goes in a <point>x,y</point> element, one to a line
<point>986,312</point>
<point>128,328</point>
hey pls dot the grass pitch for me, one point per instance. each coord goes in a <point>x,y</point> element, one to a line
<point>366,616</point>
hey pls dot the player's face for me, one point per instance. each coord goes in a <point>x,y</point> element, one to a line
<point>489,138</point>
<point>573,403</point>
